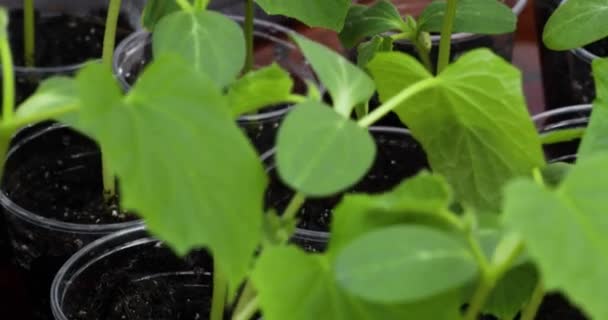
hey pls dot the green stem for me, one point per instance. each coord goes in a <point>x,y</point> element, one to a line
<point>294,206</point>
<point>361,110</point>
<point>8,77</point>
<point>109,37</point>
<point>218,302</point>
<point>29,33</point>
<point>184,5</point>
<point>397,100</point>
<point>200,5</point>
<point>248,311</point>
<point>249,36</point>
<point>109,181</point>
<point>247,295</point>
<point>423,53</point>
<point>41,116</point>
<point>480,296</point>
<point>446,36</point>
<point>536,300</point>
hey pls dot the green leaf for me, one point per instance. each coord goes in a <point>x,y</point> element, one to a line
<point>596,135</point>
<point>404,264</point>
<point>320,153</point>
<point>571,252</point>
<point>473,124</point>
<point>53,94</point>
<point>512,292</point>
<point>600,75</point>
<point>210,42</point>
<point>576,23</point>
<point>298,286</point>
<point>363,22</point>
<point>315,13</point>
<point>180,158</point>
<point>367,50</point>
<point>258,89</point>
<point>472,16</point>
<point>423,199</point>
<point>156,10</point>
<point>347,84</point>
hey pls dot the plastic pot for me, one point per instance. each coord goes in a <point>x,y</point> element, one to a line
<point>564,118</point>
<point>567,75</point>
<point>130,275</point>
<point>271,46</point>
<point>53,204</point>
<point>68,34</point>
<point>399,156</point>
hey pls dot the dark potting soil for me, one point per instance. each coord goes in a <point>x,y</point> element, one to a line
<point>61,40</point>
<point>398,157</point>
<point>63,184</point>
<point>56,175</point>
<point>145,282</point>
<point>599,48</point>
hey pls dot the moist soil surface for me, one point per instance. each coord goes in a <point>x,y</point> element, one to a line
<point>56,175</point>
<point>398,157</point>
<point>146,282</point>
<point>61,40</point>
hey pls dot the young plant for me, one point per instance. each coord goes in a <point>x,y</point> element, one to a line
<point>107,55</point>
<point>371,24</point>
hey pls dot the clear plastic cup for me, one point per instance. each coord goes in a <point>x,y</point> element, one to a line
<point>40,242</point>
<point>130,273</point>
<point>572,117</point>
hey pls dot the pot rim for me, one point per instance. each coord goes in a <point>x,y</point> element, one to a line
<point>324,236</point>
<point>57,296</point>
<point>142,35</point>
<point>71,68</point>
<point>51,224</point>
<point>561,111</point>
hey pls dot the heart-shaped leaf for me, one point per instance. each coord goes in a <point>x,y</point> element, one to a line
<point>180,158</point>
<point>473,123</point>
<point>571,253</point>
<point>595,139</point>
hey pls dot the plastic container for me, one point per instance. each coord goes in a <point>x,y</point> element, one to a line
<point>271,46</point>
<point>28,78</point>
<point>399,156</point>
<point>564,118</point>
<point>130,275</point>
<point>52,173</point>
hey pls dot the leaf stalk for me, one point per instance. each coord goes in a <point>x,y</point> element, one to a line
<point>445,43</point>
